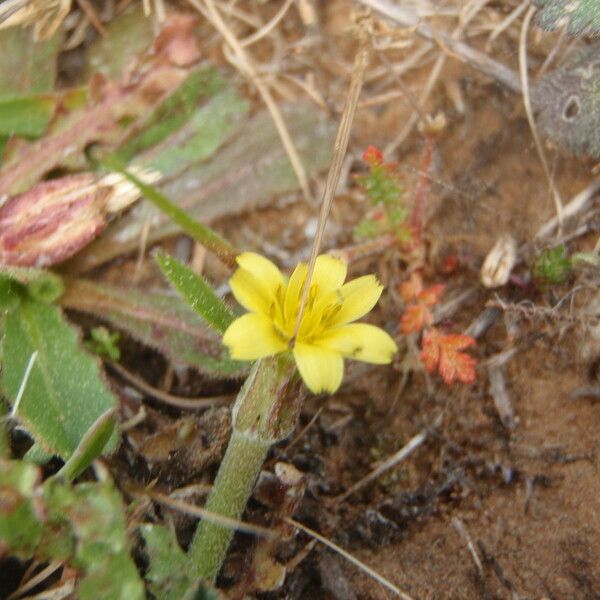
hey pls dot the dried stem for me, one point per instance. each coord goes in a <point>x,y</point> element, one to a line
<point>210,11</point>
<point>339,152</point>
<point>529,111</point>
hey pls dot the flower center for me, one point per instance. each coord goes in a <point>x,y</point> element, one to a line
<point>319,312</point>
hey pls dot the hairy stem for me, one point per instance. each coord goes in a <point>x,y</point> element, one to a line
<point>238,472</point>
<point>265,412</point>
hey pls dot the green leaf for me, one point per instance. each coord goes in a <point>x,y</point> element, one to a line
<point>196,292</point>
<point>200,129</point>
<point>27,115</point>
<point>552,266</point>
<point>203,234</point>
<point>129,35</point>
<point>582,17</point>
<point>567,103</point>
<point>200,137</point>
<point>65,392</point>
<point>39,284</point>
<point>27,66</point>
<point>11,294</point>
<point>20,528</point>
<point>90,447</point>
<point>246,173</point>
<point>158,319</point>
<point>168,576</point>
<point>104,343</point>
<point>83,525</point>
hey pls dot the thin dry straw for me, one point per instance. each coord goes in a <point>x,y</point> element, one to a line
<point>339,152</point>
<point>361,565</point>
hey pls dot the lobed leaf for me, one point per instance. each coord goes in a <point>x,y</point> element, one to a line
<point>83,525</point>
<point>442,352</point>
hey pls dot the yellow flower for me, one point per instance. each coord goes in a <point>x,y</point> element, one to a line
<point>326,335</point>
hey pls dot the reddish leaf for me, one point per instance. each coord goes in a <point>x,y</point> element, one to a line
<point>430,350</point>
<point>410,290</point>
<point>373,156</point>
<point>432,294</point>
<point>415,318</point>
<point>443,353</point>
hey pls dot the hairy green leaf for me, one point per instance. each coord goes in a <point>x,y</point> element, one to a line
<point>201,112</point>
<point>243,175</point>
<point>64,392</point>
<point>196,292</point>
<point>39,284</point>
<point>20,528</point>
<point>158,319</point>
<point>581,17</point>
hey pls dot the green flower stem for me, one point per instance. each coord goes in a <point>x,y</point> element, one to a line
<point>238,472</point>
<point>265,412</point>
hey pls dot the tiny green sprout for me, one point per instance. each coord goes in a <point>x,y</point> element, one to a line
<point>104,343</point>
<point>553,266</point>
<point>367,229</point>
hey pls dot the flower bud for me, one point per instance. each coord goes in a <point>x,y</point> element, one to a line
<point>55,219</point>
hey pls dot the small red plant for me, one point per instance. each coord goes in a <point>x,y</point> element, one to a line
<point>440,352</point>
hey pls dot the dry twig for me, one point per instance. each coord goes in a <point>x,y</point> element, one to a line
<point>170,399</point>
<point>376,576</point>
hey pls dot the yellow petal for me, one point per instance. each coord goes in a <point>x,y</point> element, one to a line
<point>360,341</point>
<point>257,283</point>
<point>329,273</point>
<point>321,369</point>
<point>292,294</point>
<point>252,336</point>
<point>262,269</point>
<point>358,297</point>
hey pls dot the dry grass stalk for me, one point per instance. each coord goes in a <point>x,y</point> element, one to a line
<point>350,558</point>
<point>529,111</point>
<point>243,62</point>
<point>176,401</point>
<point>339,153</point>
